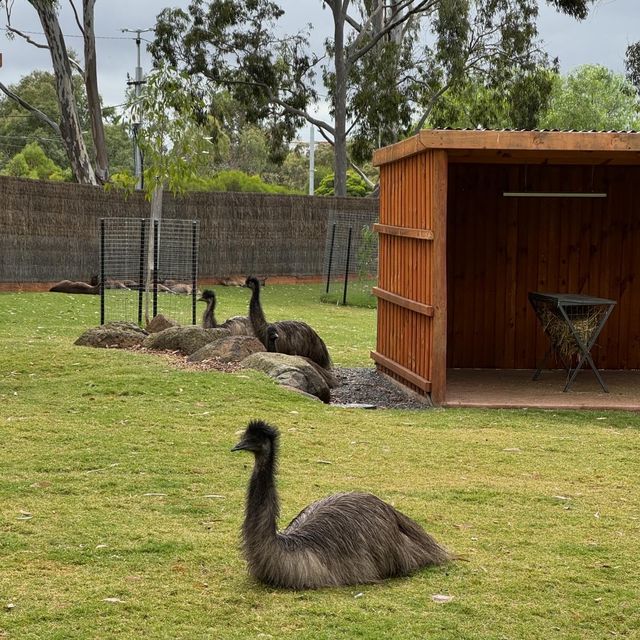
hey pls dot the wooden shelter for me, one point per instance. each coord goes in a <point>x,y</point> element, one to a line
<point>472,221</point>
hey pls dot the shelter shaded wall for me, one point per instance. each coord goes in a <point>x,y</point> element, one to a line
<point>501,248</point>
<point>49,231</point>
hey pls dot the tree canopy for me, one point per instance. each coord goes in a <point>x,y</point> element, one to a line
<point>592,97</point>
<point>384,67</point>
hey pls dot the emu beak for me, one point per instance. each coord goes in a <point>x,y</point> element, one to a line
<point>240,446</point>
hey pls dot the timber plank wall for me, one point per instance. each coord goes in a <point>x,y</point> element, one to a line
<point>411,340</point>
<point>49,231</point>
<point>501,248</point>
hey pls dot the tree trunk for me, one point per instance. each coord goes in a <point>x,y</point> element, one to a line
<point>93,97</point>
<point>156,214</point>
<point>69,123</point>
<point>340,107</point>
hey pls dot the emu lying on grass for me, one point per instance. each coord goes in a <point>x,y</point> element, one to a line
<point>346,538</point>
<point>290,336</point>
<point>71,286</point>
<point>238,325</point>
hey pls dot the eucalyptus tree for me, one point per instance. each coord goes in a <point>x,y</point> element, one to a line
<point>68,128</point>
<point>384,66</point>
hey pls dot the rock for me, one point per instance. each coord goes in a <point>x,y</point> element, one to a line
<point>292,371</point>
<point>160,323</point>
<point>231,349</point>
<point>118,335</point>
<point>187,340</point>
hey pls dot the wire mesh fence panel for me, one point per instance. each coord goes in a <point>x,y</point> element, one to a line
<point>177,270</point>
<point>351,258</point>
<point>147,270</point>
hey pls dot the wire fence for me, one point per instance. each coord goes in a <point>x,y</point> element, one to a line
<point>351,258</point>
<point>148,269</point>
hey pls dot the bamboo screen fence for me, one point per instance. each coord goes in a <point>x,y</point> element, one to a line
<point>49,231</point>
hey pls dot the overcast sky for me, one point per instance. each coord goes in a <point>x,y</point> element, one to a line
<point>602,38</point>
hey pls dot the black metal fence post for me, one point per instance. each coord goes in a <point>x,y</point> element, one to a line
<point>194,270</point>
<point>333,239</point>
<point>141,269</point>
<point>346,269</point>
<point>102,249</point>
<point>156,251</point>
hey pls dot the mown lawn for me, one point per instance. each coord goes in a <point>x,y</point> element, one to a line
<point>121,505</point>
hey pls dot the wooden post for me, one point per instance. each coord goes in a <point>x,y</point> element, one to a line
<point>438,203</point>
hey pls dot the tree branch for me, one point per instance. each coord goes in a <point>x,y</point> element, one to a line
<point>75,13</point>
<point>43,117</point>
<point>26,37</point>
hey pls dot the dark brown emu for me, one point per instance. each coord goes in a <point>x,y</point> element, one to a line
<point>238,325</point>
<point>287,336</point>
<point>346,538</point>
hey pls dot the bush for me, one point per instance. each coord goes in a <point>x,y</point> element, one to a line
<point>356,186</point>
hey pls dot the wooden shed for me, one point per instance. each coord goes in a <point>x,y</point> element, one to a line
<point>472,221</point>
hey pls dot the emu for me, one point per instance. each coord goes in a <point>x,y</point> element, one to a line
<point>344,539</point>
<point>70,286</point>
<point>238,325</point>
<point>287,336</point>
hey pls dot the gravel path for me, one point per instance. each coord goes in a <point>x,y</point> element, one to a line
<point>366,386</point>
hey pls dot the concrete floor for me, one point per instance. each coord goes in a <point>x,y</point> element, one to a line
<point>514,388</point>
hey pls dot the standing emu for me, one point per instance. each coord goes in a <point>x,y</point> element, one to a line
<point>346,538</point>
<point>287,336</point>
<point>238,325</point>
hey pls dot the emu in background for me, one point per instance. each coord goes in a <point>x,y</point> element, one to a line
<point>287,336</point>
<point>238,325</point>
<point>344,539</point>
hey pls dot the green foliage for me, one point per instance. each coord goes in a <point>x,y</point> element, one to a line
<point>632,64</point>
<point>518,104</point>
<point>234,180</point>
<point>170,114</point>
<point>32,162</point>
<point>122,181</point>
<point>365,257</point>
<point>18,127</point>
<point>356,186</point>
<point>593,97</point>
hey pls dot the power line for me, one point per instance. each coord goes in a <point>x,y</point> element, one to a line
<point>41,33</point>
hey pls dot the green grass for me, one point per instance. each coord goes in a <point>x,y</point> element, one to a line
<point>544,505</point>
<point>358,293</point>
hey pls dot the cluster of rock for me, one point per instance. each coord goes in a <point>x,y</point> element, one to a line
<point>201,345</point>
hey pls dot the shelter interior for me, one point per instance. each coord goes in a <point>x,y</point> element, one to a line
<point>500,248</point>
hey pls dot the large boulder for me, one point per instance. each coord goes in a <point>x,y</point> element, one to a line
<point>291,371</point>
<point>113,335</point>
<point>186,340</point>
<point>160,323</point>
<point>231,349</point>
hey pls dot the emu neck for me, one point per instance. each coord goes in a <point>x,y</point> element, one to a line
<point>209,318</point>
<point>262,504</point>
<point>257,318</point>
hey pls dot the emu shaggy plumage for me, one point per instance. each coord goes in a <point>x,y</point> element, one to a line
<point>238,325</point>
<point>287,336</point>
<point>344,539</point>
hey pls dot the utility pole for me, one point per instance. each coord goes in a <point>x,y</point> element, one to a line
<point>137,84</point>
<point>312,161</point>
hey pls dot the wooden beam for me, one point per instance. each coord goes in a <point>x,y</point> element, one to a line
<point>438,197</point>
<point>402,372</point>
<point>401,301</point>
<point>541,142</point>
<point>404,232</point>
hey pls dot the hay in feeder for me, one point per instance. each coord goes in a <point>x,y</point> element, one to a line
<point>560,334</point>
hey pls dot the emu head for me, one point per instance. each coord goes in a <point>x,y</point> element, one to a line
<point>252,283</point>
<point>207,295</point>
<point>259,437</point>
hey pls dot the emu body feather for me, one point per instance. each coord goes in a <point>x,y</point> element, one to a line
<point>287,336</point>
<point>346,538</point>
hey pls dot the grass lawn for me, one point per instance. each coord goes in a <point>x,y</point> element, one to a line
<point>121,505</point>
